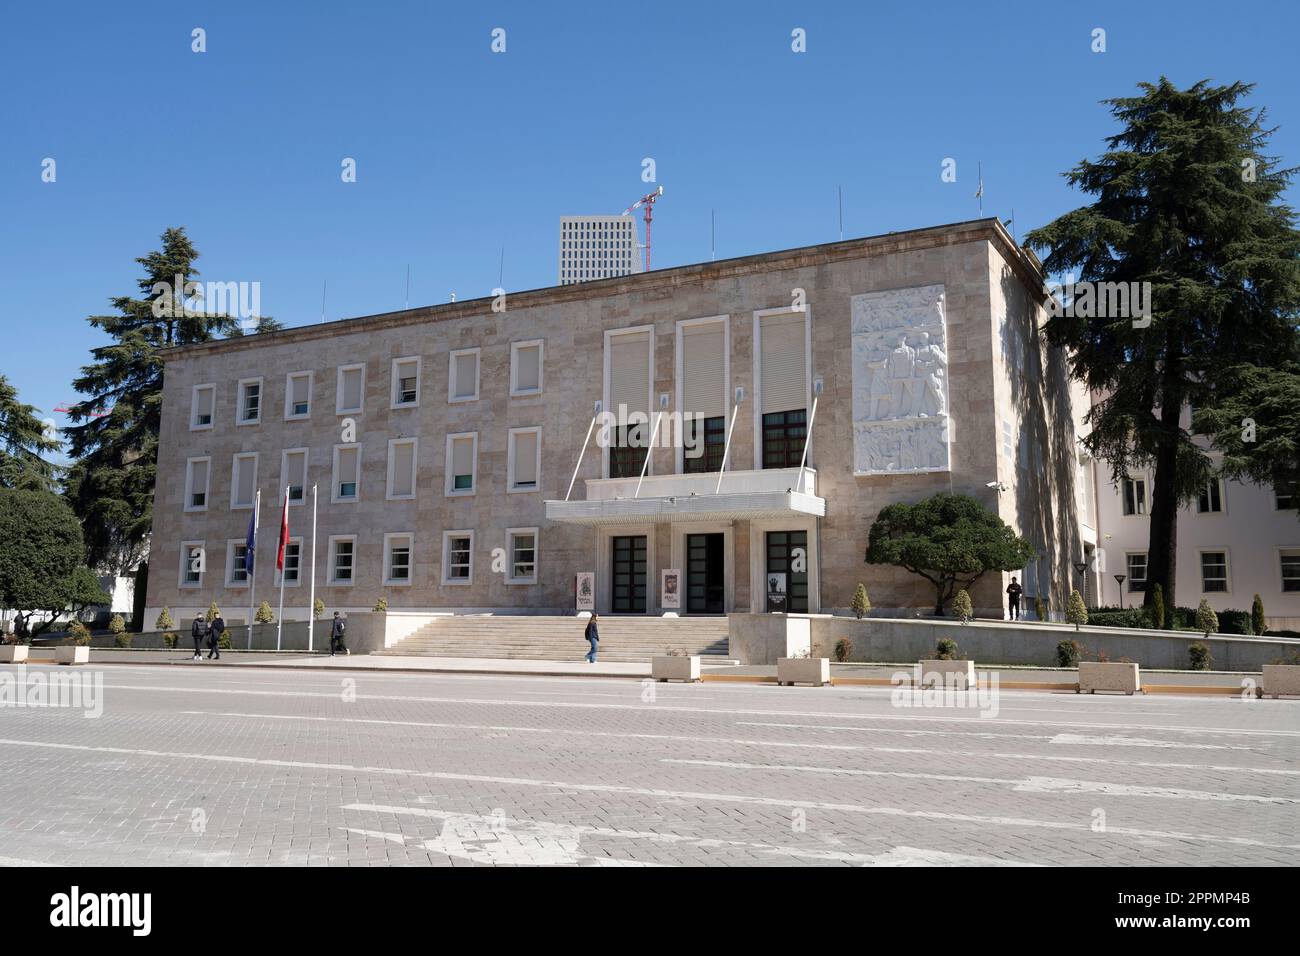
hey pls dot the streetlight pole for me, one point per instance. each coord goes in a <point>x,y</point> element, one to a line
<point>1120,579</point>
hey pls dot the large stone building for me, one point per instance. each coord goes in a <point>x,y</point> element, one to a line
<point>460,465</point>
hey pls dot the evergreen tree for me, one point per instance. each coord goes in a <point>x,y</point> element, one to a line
<point>22,442</point>
<point>1187,200</point>
<point>114,438</point>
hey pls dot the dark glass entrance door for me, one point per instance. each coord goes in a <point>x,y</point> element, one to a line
<point>629,574</point>
<point>787,571</point>
<point>704,573</point>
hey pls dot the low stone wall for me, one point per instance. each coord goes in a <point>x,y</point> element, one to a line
<point>365,635</point>
<point>761,638</point>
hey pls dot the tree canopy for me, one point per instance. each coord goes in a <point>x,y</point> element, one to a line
<point>23,442</point>
<point>40,551</point>
<point>950,540</point>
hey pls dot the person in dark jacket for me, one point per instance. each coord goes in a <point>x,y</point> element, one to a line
<point>1014,590</point>
<point>215,630</point>
<point>593,638</point>
<point>199,631</point>
<point>337,632</point>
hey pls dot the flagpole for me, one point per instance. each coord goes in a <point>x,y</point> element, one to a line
<point>311,605</point>
<point>279,560</point>
<point>252,574</point>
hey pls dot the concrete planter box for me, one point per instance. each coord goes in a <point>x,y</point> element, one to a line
<point>803,670</point>
<point>1095,676</point>
<point>958,674</point>
<point>72,654</point>
<point>675,668</point>
<point>1281,680</point>
<point>13,653</point>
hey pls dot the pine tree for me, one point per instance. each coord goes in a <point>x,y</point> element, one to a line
<point>1075,612</point>
<point>861,603</point>
<point>22,442</point>
<point>1186,200</point>
<point>961,606</point>
<point>1207,622</point>
<point>1258,624</point>
<point>264,613</point>
<point>1158,607</point>
<point>114,438</point>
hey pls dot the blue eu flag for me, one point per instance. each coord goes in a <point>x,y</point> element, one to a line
<point>250,544</point>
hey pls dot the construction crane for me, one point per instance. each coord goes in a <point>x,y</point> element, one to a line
<point>648,201</point>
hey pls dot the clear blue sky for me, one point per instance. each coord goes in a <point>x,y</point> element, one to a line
<point>460,150</point>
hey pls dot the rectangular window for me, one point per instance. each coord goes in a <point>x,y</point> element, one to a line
<point>462,463</point>
<point>406,382</point>
<point>196,484</point>
<point>522,550</point>
<point>1135,496</point>
<point>783,362</point>
<point>342,559</point>
<point>351,389</point>
<point>703,368</point>
<point>462,378</point>
<point>397,558</point>
<point>1214,571</point>
<point>1008,440</point>
<point>1136,564</point>
<point>293,474</point>
<point>401,467</point>
<point>783,438</point>
<point>347,473</point>
<point>292,564</point>
<point>203,405</point>
<point>250,401</point>
<point>193,563</point>
<point>628,356</point>
<point>705,444</point>
<point>1291,569</point>
<point>458,557</point>
<point>236,572</point>
<point>1285,497</point>
<point>1210,498</point>
<point>526,368</point>
<point>243,480</point>
<point>524,457</point>
<point>297,395</point>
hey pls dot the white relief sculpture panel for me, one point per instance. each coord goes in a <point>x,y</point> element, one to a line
<point>900,381</point>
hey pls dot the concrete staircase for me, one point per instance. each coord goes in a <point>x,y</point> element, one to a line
<point>528,637</point>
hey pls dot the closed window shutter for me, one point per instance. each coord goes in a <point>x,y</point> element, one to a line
<point>352,388</point>
<point>462,456</point>
<point>199,481</point>
<point>466,374</point>
<point>704,391</point>
<point>629,372</point>
<point>299,390</point>
<point>404,469</point>
<point>347,464</point>
<point>526,458</point>
<point>528,374</point>
<point>296,466</point>
<point>784,363</point>
<point>247,479</point>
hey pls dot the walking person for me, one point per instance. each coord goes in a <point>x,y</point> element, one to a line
<point>215,630</point>
<point>1014,590</point>
<point>593,638</point>
<point>337,631</point>
<point>199,631</point>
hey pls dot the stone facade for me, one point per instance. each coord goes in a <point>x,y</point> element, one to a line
<point>988,286</point>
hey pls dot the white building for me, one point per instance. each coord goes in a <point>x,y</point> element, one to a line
<point>597,247</point>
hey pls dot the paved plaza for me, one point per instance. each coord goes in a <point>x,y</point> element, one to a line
<point>194,765</point>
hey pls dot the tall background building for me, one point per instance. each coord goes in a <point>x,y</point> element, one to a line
<point>597,247</point>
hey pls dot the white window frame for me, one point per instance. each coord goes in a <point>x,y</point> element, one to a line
<point>335,498</point>
<point>679,377</point>
<point>415,468</point>
<point>286,479</point>
<point>1227,568</point>
<point>1281,579</point>
<point>515,348</point>
<point>330,555</point>
<point>302,553</point>
<point>1223,497</point>
<point>230,583</point>
<point>1147,570</point>
<point>449,483</point>
<point>239,401</point>
<point>394,397</point>
<point>289,415</point>
<point>1146,501</point>
<point>757,398</point>
<point>477,352</point>
<point>511,488</point>
<point>210,387</point>
<point>446,541</point>
<point>651,404</point>
<point>338,389</point>
<point>389,580</point>
<point>234,478</point>
<point>189,483</point>
<point>510,554</point>
<point>185,561</point>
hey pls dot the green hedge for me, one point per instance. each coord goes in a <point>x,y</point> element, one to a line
<point>1178,619</point>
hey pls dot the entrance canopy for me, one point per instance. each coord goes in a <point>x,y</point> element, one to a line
<point>744,495</point>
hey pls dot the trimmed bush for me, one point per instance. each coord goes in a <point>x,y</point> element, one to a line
<point>264,613</point>
<point>1067,654</point>
<point>1257,622</point>
<point>1199,656</point>
<point>80,633</point>
<point>1076,613</point>
<point>164,621</point>
<point>1129,617</point>
<point>213,612</point>
<point>169,640</point>
<point>318,609</point>
<point>843,648</point>
<point>946,649</point>
<point>1207,622</point>
<point>116,625</point>
<point>861,603</point>
<point>1041,609</point>
<point>961,606</point>
<point>122,640</point>
<point>1235,622</point>
<point>381,605</point>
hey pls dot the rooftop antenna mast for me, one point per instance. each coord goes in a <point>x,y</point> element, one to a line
<point>407,303</point>
<point>647,201</point>
<point>713,236</point>
<point>323,286</point>
<point>839,192</point>
<point>501,270</point>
